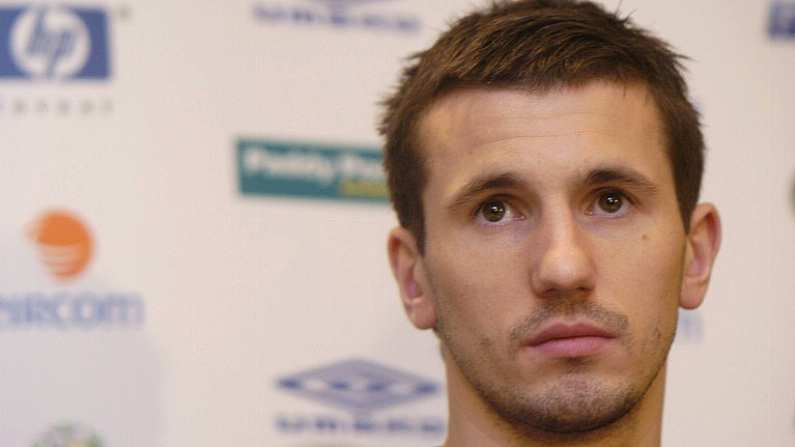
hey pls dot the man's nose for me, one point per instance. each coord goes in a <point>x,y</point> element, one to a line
<point>564,264</point>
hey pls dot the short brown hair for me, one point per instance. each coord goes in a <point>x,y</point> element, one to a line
<point>538,45</point>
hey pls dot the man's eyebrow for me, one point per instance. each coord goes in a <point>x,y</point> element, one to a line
<point>484,183</point>
<point>509,180</point>
<point>619,174</point>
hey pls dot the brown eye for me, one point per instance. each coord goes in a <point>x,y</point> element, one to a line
<point>611,202</point>
<point>493,211</point>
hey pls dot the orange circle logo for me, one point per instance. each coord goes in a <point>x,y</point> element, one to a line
<point>64,242</point>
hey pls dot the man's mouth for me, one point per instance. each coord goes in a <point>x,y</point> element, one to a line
<point>561,339</point>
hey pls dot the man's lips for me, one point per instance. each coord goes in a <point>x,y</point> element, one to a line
<point>562,330</point>
<point>570,340</point>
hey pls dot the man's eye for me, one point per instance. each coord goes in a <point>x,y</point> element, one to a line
<point>495,211</point>
<point>611,203</point>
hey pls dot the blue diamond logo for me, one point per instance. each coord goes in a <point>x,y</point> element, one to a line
<point>358,386</point>
<point>782,19</point>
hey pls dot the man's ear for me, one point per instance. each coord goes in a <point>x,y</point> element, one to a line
<point>703,243</point>
<point>409,270</point>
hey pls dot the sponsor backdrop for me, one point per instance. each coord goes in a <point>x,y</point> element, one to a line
<point>194,222</point>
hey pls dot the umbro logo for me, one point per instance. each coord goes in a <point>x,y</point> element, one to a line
<point>358,386</point>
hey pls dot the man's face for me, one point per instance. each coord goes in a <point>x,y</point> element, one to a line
<point>557,208</point>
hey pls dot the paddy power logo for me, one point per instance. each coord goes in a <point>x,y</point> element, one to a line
<point>64,243</point>
<point>310,170</point>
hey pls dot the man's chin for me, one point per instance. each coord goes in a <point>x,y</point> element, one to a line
<point>570,406</point>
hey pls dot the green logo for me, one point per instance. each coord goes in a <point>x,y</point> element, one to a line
<point>69,435</point>
<point>309,170</point>
<point>792,195</point>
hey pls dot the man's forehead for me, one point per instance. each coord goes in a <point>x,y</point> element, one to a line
<point>471,117</point>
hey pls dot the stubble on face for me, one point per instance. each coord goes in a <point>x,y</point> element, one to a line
<point>571,403</point>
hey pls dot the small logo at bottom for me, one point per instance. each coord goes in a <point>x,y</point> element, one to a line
<point>360,389</point>
<point>69,435</point>
<point>358,386</point>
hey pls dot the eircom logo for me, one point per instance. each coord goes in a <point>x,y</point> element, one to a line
<point>66,247</point>
<point>54,42</point>
<point>64,242</point>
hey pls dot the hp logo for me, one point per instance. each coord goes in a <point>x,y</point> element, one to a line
<point>50,42</point>
<point>54,43</point>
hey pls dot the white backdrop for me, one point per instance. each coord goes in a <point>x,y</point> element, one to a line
<point>273,320</point>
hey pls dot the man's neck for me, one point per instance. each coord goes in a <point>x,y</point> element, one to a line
<point>473,424</point>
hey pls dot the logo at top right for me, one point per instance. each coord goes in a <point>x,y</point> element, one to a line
<point>339,14</point>
<point>781,23</point>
